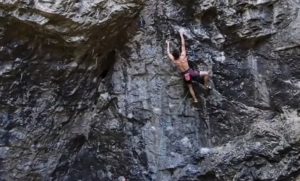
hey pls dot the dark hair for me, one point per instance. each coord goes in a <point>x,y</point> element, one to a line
<point>175,54</point>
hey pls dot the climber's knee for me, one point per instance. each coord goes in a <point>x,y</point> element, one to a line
<point>204,73</point>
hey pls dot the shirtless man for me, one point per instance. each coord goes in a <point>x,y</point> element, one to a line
<point>181,62</point>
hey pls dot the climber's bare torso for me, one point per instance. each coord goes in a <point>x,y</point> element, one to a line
<point>182,63</point>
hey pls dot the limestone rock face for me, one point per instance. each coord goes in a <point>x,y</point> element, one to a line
<point>87,91</point>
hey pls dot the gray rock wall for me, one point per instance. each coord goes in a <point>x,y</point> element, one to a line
<point>88,93</point>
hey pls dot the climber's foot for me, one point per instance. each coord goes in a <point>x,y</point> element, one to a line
<point>196,103</point>
<point>197,106</point>
<point>208,87</point>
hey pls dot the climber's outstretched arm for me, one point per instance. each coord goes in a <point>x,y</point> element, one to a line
<point>168,51</point>
<point>183,50</point>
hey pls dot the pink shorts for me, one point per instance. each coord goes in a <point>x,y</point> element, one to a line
<point>191,74</point>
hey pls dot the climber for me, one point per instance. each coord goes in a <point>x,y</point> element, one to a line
<point>181,61</point>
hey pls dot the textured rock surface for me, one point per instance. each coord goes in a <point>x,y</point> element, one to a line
<point>88,93</point>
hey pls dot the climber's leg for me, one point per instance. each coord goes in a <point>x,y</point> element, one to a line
<point>191,89</point>
<point>206,76</point>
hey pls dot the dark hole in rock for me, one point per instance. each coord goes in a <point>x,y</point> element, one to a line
<point>211,176</point>
<point>186,2</point>
<point>209,16</point>
<point>109,61</point>
<point>76,143</point>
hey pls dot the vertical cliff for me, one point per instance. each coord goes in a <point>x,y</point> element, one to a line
<point>87,91</point>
